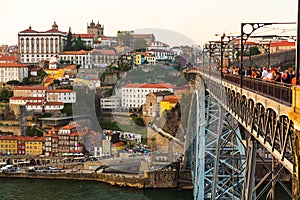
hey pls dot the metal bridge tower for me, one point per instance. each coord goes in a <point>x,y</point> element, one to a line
<point>215,151</point>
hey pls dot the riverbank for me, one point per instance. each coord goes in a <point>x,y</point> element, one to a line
<point>153,179</point>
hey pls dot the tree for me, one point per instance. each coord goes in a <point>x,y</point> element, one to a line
<point>69,44</point>
<point>124,37</point>
<point>25,81</point>
<point>140,43</point>
<point>79,44</point>
<point>254,50</point>
<point>5,94</point>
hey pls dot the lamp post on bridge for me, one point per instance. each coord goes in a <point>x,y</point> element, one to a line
<point>246,34</point>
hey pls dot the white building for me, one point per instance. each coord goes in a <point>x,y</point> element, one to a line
<point>88,39</point>
<point>12,71</point>
<point>177,51</point>
<point>110,103</point>
<point>158,45</point>
<point>162,55</point>
<point>46,106</point>
<point>134,95</point>
<point>82,57</point>
<point>35,46</point>
<point>24,100</point>
<point>65,96</point>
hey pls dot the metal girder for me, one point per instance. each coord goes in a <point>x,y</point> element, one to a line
<point>218,162</point>
<point>273,132</point>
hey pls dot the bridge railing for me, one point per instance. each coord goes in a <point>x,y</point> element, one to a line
<point>276,91</point>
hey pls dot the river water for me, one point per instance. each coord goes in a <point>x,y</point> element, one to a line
<point>41,189</point>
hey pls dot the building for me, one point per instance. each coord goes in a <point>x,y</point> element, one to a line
<point>35,46</point>
<point>152,106</point>
<point>158,45</point>
<point>51,143</point>
<point>23,100</point>
<point>33,145</point>
<point>278,46</point>
<point>8,59</point>
<point>95,29</point>
<point>134,95</point>
<point>103,58</point>
<point>75,143</point>
<point>12,71</point>
<point>148,37</point>
<point>167,104</point>
<point>30,91</point>
<point>162,55</point>
<point>21,145</point>
<point>64,139</point>
<point>88,39</point>
<point>110,103</point>
<point>64,96</point>
<point>54,73</point>
<point>8,145</point>
<point>82,58</point>
<point>44,106</point>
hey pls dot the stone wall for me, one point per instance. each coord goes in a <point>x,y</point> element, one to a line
<point>276,59</point>
<point>156,179</point>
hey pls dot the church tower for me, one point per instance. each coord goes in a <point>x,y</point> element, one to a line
<point>96,30</point>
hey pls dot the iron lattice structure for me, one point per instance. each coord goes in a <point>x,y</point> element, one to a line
<point>215,151</point>
<point>263,128</point>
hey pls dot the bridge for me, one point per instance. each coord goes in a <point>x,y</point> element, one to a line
<point>239,128</point>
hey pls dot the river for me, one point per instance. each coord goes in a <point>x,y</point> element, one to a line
<point>41,189</point>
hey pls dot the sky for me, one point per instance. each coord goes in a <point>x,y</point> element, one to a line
<point>198,20</point>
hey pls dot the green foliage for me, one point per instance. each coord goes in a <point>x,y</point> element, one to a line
<point>140,43</point>
<point>69,44</point>
<point>110,126</point>
<point>78,44</point>
<point>68,109</point>
<point>5,94</point>
<point>25,81</point>
<point>138,121</point>
<point>124,37</point>
<point>13,82</point>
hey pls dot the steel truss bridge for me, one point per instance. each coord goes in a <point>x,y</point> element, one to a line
<point>236,133</point>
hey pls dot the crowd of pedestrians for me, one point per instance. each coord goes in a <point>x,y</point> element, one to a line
<point>280,75</point>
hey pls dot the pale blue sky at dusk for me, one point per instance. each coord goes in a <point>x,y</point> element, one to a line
<point>199,20</point>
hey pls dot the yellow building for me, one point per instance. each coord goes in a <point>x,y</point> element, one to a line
<point>33,145</point>
<point>8,144</point>
<point>138,59</point>
<point>54,73</point>
<point>167,104</point>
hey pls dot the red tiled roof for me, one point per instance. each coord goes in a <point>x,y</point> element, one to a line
<point>30,88</point>
<point>118,144</point>
<point>149,85</point>
<point>8,137</point>
<point>81,52</point>
<point>84,35</point>
<point>8,58</point>
<point>53,130</point>
<point>105,51</point>
<point>70,67</point>
<point>29,30</point>
<point>13,64</point>
<point>74,134</point>
<point>282,43</point>
<point>171,99</point>
<point>54,103</point>
<point>55,31</point>
<point>49,80</point>
<point>67,127</point>
<point>47,104</point>
<point>60,91</point>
